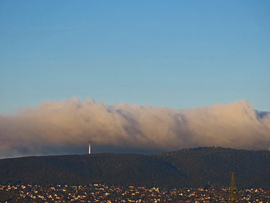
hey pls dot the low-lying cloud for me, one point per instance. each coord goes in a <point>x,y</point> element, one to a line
<point>68,126</point>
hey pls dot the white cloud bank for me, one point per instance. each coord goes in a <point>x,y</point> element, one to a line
<point>67,126</point>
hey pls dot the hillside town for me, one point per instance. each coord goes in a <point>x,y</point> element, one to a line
<point>108,194</point>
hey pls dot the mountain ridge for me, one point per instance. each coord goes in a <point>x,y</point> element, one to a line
<point>195,167</point>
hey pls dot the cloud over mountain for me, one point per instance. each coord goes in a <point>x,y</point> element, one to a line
<point>67,126</point>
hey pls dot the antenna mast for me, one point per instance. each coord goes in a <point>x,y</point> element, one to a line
<point>89,149</point>
<point>232,190</point>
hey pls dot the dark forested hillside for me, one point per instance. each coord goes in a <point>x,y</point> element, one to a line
<point>117,169</point>
<point>213,166</point>
<point>191,167</point>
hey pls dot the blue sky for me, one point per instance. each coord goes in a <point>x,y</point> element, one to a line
<point>179,54</point>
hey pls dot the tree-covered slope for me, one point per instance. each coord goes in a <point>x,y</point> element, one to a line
<point>185,168</point>
<point>213,166</point>
<point>117,169</point>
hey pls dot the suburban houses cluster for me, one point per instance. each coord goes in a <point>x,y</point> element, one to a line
<point>108,194</point>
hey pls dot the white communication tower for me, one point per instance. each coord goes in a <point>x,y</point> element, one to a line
<point>89,152</point>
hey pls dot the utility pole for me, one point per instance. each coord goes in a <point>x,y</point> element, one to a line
<point>233,190</point>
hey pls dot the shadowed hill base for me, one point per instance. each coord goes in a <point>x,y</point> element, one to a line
<point>117,169</point>
<point>185,168</point>
<point>213,166</point>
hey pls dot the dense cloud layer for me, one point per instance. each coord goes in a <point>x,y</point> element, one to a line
<point>68,126</point>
